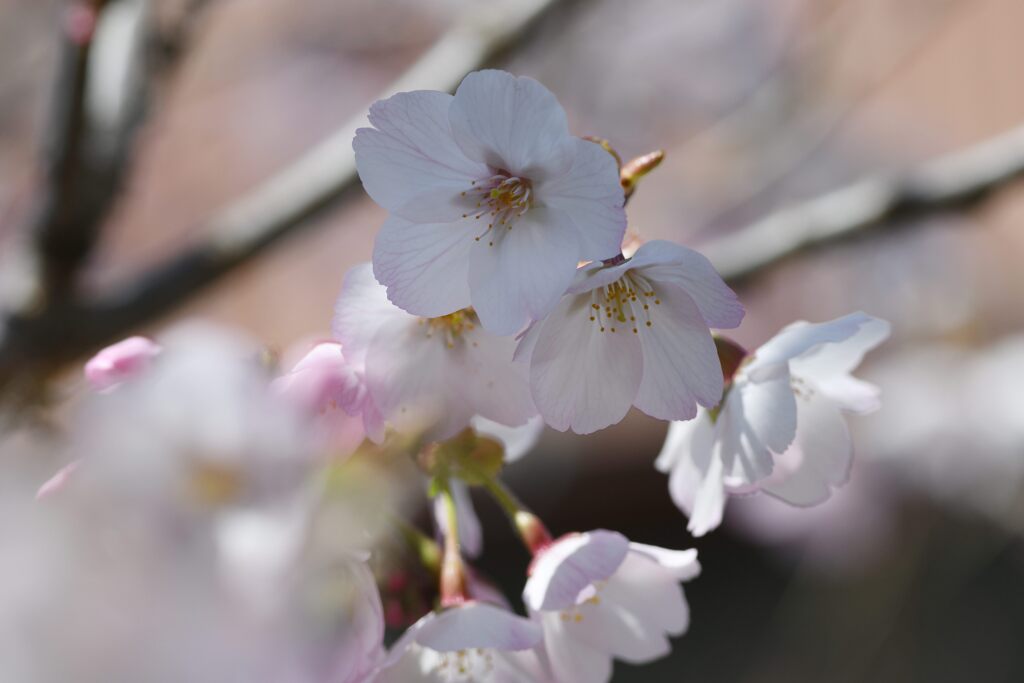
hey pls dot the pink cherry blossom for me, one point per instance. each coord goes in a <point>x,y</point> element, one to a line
<point>634,333</point>
<point>780,427</point>
<point>599,597</point>
<point>120,361</point>
<point>428,374</point>
<point>493,203</point>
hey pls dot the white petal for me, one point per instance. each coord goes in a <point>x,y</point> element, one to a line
<point>664,261</point>
<point>649,592</point>
<point>829,366</point>
<point>819,459</point>
<point>478,625</point>
<point>616,629</point>
<point>745,458</point>
<point>581,378</point>
<point>697,488</point>
<point>681,366</point>
<point>511,123</point>
<point>590,194</point>
<point>411,153</point>
<point>425,267</point>
<point>490,383</point>
<point>362,308</point>
<point>683,564</point>
<point>769,407</point>
<point>571,564</point>
<point>677,442</point>
<point>517,275</point>
<point>518,441</point>
<point>800,337</point>
<point>571,660</point>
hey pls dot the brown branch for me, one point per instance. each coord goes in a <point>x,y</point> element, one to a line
<point>33,342</point>
<point>955,182</point>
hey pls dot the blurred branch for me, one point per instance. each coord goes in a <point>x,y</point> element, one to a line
<point>34,341</point>
<point>954,182</point>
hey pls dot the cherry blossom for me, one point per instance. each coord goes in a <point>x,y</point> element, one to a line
<point>779,428</point>
<point>598,597</point>
<point>331,390</point>
<point>474,641</point>
<point>493,203</point>
<point>428,374</point>
<point>633,333</point>
<point>118,362</point>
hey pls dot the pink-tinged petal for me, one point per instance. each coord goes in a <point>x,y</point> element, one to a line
<point>564,569</point>
<point>518,441</point>
<point>818,460</point>
<point>663,261</point>
<point>682,564</point>
<point>829,366</point>
<point>59,481</point>
<point>511,123</point>
<point>590,194</point>
<point>801,337</point>
<point>582,378</point>
<point>681,367</point>
<point>490,383</point>
<point>651,594</point>
<point>322,379</point>
<point>119,362</point>
<point>410,153</point>
<point>769,407</point>
<point>471,536</point>
<point>362,308</point>
<point>425,267</point>
<point>570,659</point>
<point>518,274</point>
<point>478,625</point>
<point>373,421</point>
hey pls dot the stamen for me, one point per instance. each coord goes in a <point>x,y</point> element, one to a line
<point>502,198</point>
<point>620,302</point>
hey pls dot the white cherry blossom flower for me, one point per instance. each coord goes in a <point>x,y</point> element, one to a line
<point>779,428</point>
<point>474,641</point>
<point>493,203</point>
<point>633,333</point>
<point>599,597</point>
<point>430,374</point>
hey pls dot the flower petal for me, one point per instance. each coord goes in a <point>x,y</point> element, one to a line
<point>798,338</point>
<point>570,659</point>
<point>491,384</point>
<point>518,441</point>
<point>571,564</point>
<point>582,378</point>
<point>664,261</point>
<point>410,153</point>
<point>425,267</point>
<point>511,123</point>
<point>695,483</point>
<point>520,273</point>
<point>590,194</point>
<point>362,308</point>
<point>471,537</point>
<point>683,564</point>
<point>478,625</point>
<point>819,459</point>
<point>769,407</point>
<point>650,593</point>
<point>681,366</point>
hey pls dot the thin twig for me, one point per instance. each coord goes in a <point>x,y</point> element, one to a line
<point>954,182</point>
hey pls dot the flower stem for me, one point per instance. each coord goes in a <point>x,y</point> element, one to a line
<point>425,548</point>
<point>531,530</point>
<point>453,574</point>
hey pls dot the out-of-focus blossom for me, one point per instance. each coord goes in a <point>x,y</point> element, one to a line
<point>428,374</point>
<point>474,641</point>
<point>600,597</point>
<point>59,481</point>
<point>118,362</point>
<point>492,201</point>
<point>779,428</point>
<point>636,333</point>
<point>333,393</point>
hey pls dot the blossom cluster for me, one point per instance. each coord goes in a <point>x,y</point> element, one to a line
<point>500,299</point>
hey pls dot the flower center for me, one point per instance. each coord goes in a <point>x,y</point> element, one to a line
<point>624,304</point>
<point>465,665</point>
<point>452,327</point>
<point>499,200</point>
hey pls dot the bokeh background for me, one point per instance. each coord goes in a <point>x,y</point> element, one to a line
<point>915,570</point>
